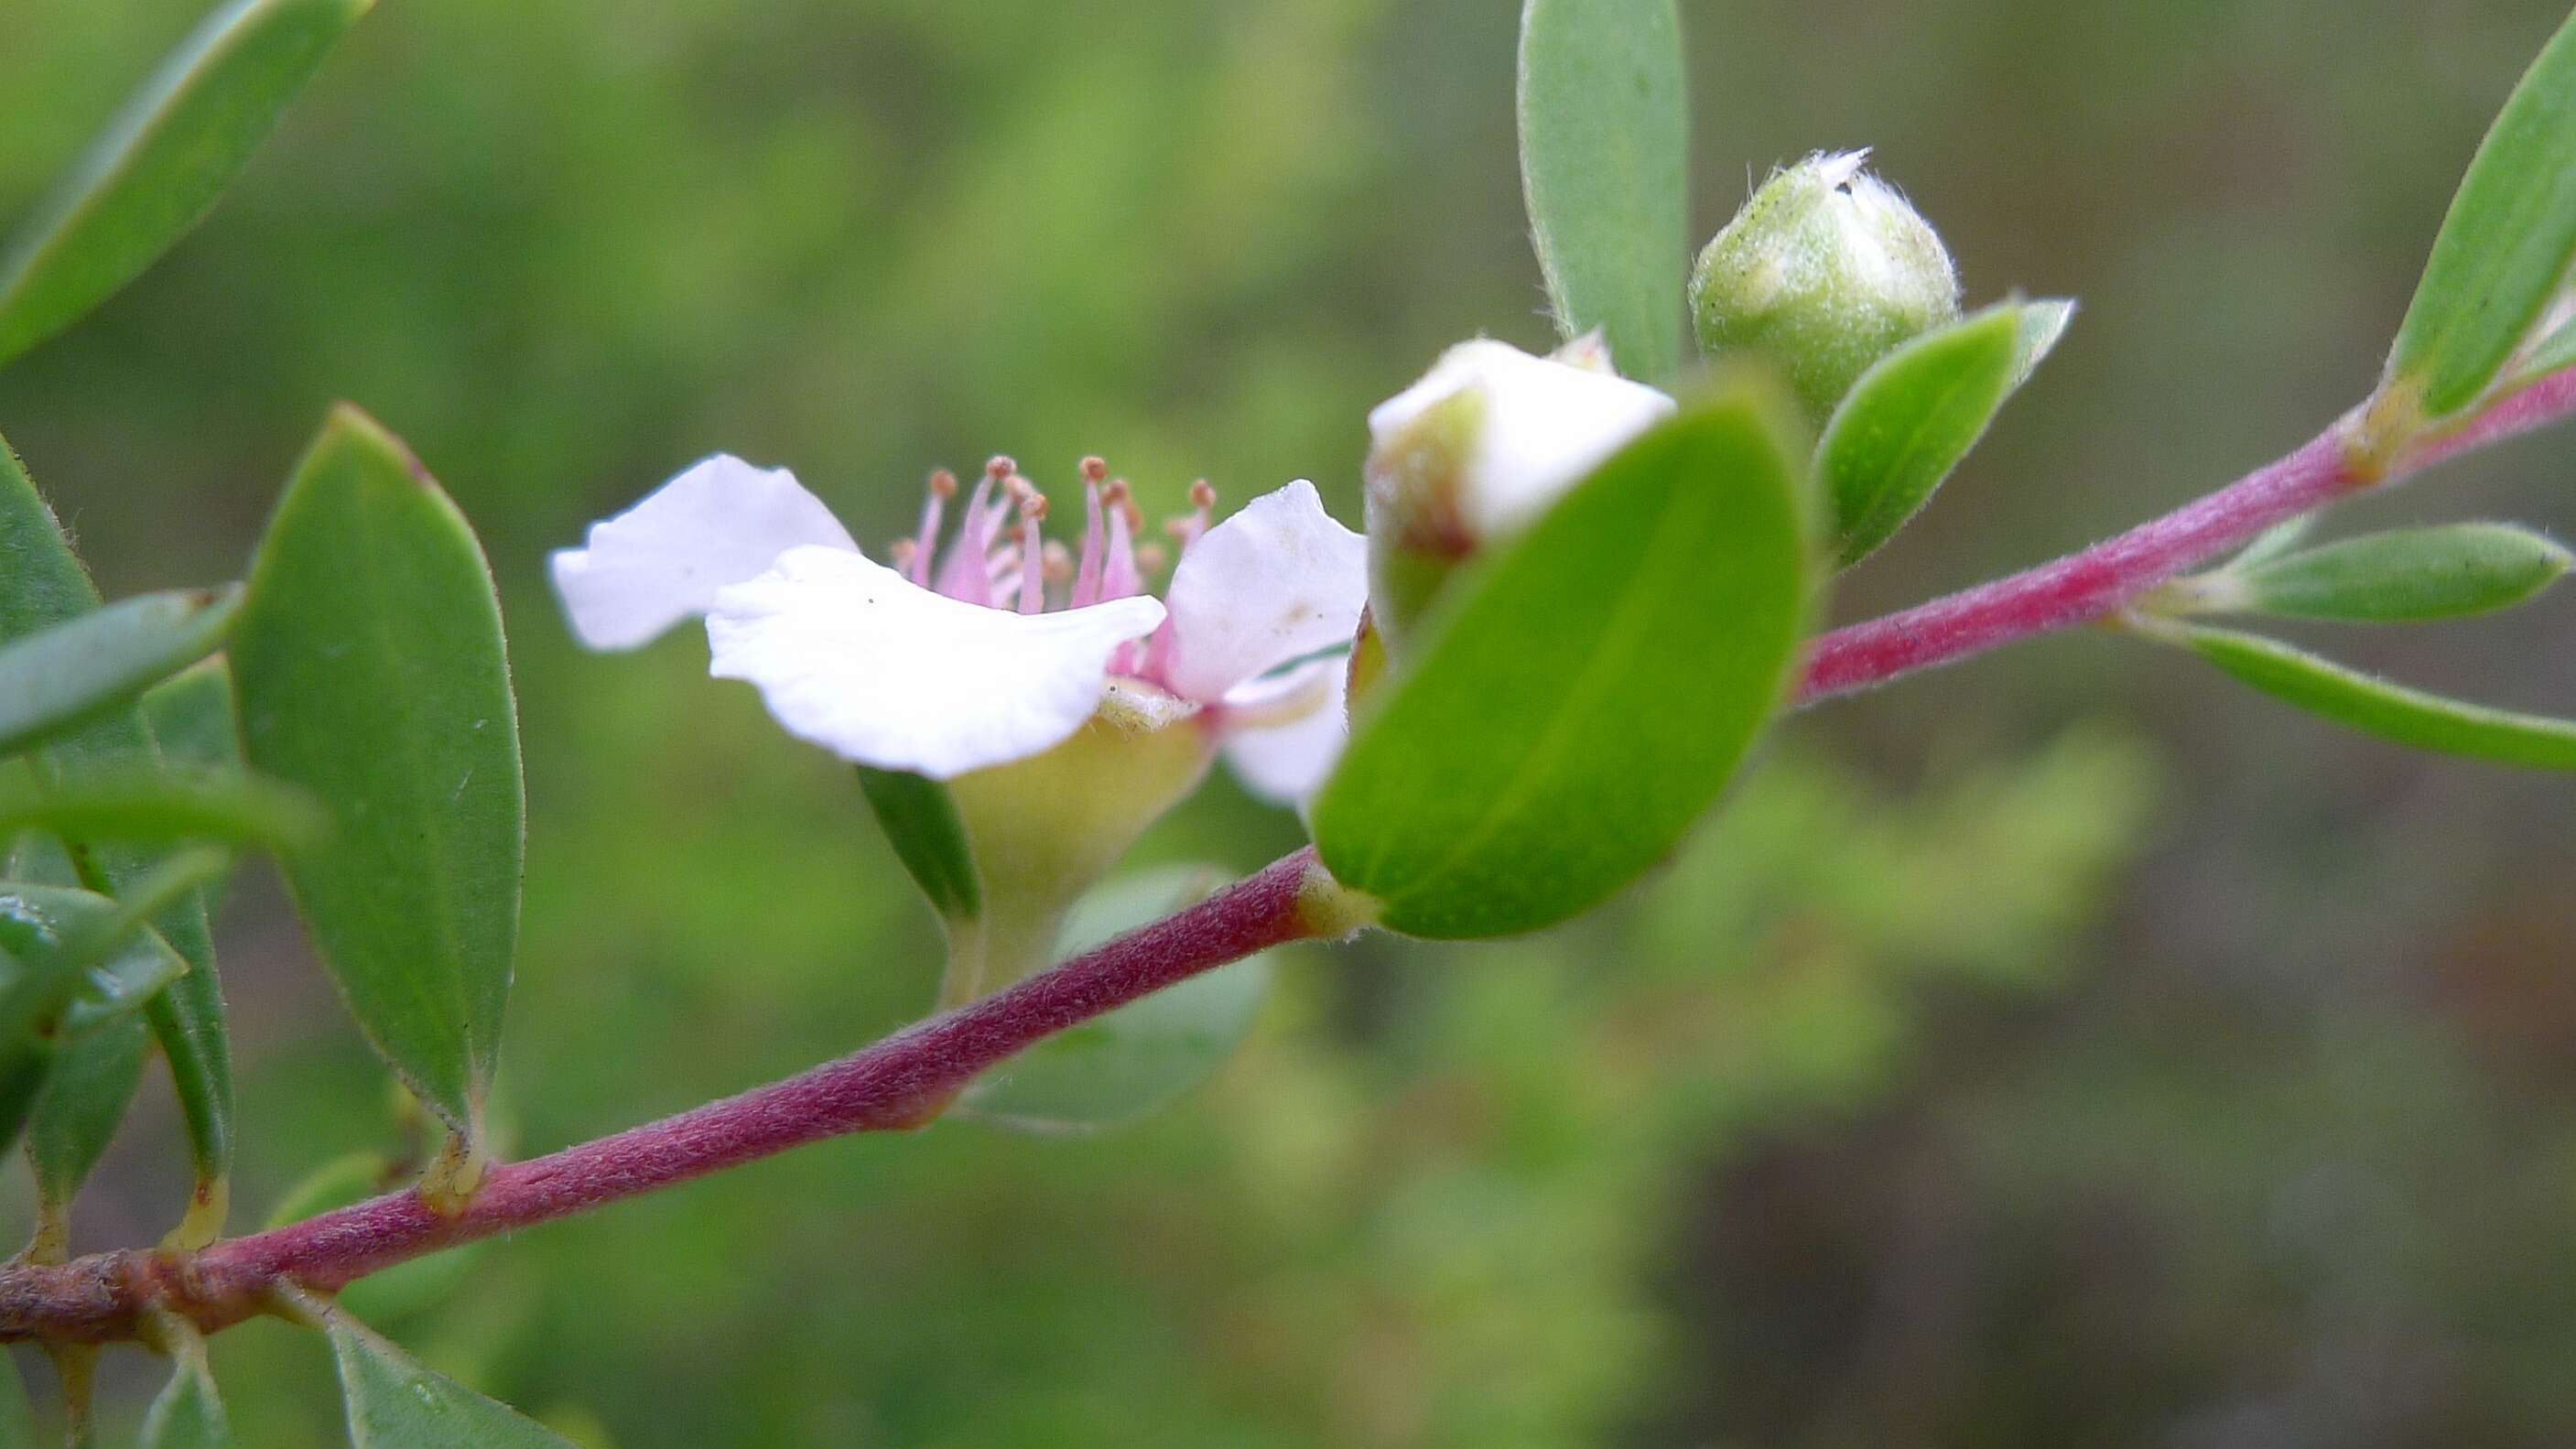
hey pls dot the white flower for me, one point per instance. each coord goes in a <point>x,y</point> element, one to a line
<point>998,646</point>
<point>1491,437</point>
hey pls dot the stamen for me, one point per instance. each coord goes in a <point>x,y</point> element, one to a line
<point>1151,557</point>
<point>967,572</point>
<point>943,486</point>
<point>1058,562</point>
<point>1187,531</point>
<point>905,554</point>
<point>1033,511</point>
<point>1095,541</point>
<point>1118,576</point>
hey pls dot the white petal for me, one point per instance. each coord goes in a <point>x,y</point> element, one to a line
<point>1545,425</point>
<point>1285,757</point>
<point>1279,579</point>
<point>662,560</point>
<point>852,656</point>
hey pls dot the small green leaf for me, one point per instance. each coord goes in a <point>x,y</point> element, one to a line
<point>192,718</point>
<point>1575,701</point>
<point>921,822</point>
<point>162,162</point>
<point>58,679</point>
<point>25,1065</point>
<point>395,1403</point>
<point>1118,1068</point>
<point>2042,323</point>
<point>2504,249</point>
<point>2273,542</point>
<point>83,1103</point>
<point>1605,171</point>
<point>2401,576</point>
<point>147,804</point>
<point>373,675</point>
<point>189,1414</point>
<point>2375,706</point>
<point>1910,419</point>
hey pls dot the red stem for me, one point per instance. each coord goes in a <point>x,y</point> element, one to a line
<point>2100,581</point>
<point>904,1080</point>
<point>900,1082</point>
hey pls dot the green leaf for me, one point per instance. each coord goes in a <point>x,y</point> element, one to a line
<point>83,1103</point>
<point>58,679</point>
<point>191,717</point>
<point>1605,171</point>
<point>2042,323</point>
<point>42,584</point>
<point>373,675</point>
<point>2375,706</point>
<point>2554,353</point>
<point>149,804</point>
<point>189,1414</point>
<point>2275,541</point>
<point>921,822</point>
<point>2405,575</point>
<point>162,162</point>
<point>25,1065</point>
<point>2504,249</point>
<point>395,1403</point>
<point>1575,701</point>
<point>1910,419</point>
<point>88,962</point>
<point>1118,1068</point>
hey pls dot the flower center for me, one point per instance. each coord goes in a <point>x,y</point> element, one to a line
<point>1001,558</point>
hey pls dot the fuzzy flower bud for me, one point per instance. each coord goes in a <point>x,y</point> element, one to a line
<point>1826,270</point>
<point>1478,449</point>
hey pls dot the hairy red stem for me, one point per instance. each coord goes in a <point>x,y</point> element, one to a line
<point>900,1082</point>
<point>2106,578</point>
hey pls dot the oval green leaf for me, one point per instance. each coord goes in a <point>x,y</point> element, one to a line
<point>922,824</point>
<point>1605,171</point>
<point>396,1403</point>
<point>373,675</point>
<point>2402,576</point>
<point>1119,1068</point>
<point>188,1414</point>
<point>58,679</point>
<point>2392,712</point>
<point>163,160</point>
<point>1910,419</point>
<point>192,718</point>
<point>1575,702</point>
<point>2504,247</point>
<point>84,1101</point>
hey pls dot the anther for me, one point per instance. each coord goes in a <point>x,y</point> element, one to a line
<point>1094,469</point>
<point>1000,467</point>
<point>903,553</point>
<point>1202,495</point>
<point>943,484</point>
<point>1151,557</point>
<point>1057,560</point>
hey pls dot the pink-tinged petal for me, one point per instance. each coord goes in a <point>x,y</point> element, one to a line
<point>1282,736</point>
<point>663,560</point>
<point>1277,580</point>
<point>852,656</point>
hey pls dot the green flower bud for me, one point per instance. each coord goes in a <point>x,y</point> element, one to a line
<point>1825,271</point>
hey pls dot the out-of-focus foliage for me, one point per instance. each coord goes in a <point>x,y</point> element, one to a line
<point>1892,1116</point>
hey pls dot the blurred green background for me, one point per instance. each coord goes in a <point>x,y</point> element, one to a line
<point>2061,1049</point>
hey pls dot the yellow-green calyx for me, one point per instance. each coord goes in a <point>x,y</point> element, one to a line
<point>1046,829</point>
<point>1826,270</point>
